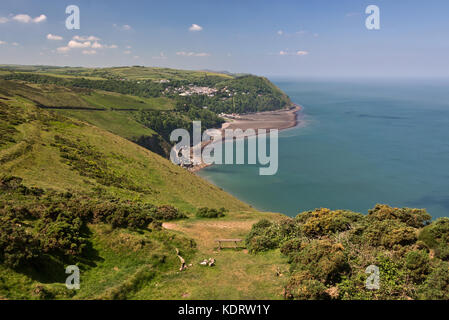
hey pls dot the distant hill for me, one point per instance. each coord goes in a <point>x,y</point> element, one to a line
<point>142,104</point>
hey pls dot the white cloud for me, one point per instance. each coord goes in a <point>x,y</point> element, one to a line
<point>76,44</point>
<point>89,43</point>
<point>89,52</point>
<point>126,27</point>
<point>194,27</point>
<point>54,37</point>
<point>84,38</point>
<point>192,54</point>
<point>39,19</point>
<point>280,32</point>
<point>127,52</point>
<point>2,42</point>
<point>297,53</point>
<point>24,18</point>
<point>3,20</point>
<point>97,45</point>
<point>15,44</point>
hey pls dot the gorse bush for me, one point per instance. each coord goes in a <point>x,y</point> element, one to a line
<point>436,237</point>
<point>323,259</point>
<point>266,235</point>
<point>55,224</point>
<point>416,218</point>
<point>321,222</point>
<point>17,246</point>
<point>167,213</point>
<point>211,213</point>
<point>329,252</point>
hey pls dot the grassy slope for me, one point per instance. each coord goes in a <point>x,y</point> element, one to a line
<point>118,122</point>
<point>121,268</point>
<point>237,274</point>
<point>42,166</point>
<point>119,262</point>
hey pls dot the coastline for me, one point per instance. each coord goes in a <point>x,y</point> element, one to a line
<point>279,119</point>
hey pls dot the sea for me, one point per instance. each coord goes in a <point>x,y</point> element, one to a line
<point>359,142</point>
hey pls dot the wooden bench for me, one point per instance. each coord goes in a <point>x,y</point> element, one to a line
<point>235,241</point>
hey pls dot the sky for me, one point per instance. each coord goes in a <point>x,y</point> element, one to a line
<point>297,38</point>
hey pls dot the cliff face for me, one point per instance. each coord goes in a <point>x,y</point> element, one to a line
<point>156,144</point>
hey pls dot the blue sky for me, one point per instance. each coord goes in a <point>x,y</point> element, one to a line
<point>316,38</point>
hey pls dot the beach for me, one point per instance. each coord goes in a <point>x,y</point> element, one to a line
<point>278,119</point>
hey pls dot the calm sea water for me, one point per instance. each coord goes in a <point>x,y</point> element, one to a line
<point>359,143</point>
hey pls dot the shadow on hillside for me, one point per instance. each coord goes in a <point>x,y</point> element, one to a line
<point>50,267</point>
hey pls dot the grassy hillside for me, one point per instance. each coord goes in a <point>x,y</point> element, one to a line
<point>60,176</point>
<point>35,156</point>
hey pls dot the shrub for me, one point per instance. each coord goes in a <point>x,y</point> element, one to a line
<point>436,286</point>
<point>303,286</point>
<point>266,235</point>
<point>436,236</point>
<point>291,247</point>
<point>415,218</point>
<point>322,222</point>
<point>17,246</point>
<point>417,262</point>
<point>60,232</point>
<point>166,213</point>
<point>123,215</point>
<point>261,243</point>
<point>210,213</point>
<point>326,261</point>
<point>387,233</point>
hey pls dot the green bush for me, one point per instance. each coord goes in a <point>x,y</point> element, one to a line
<point>436,286</point>
<point>418,264</point>
<point>211,213</point>
<point>324,260</point>
<point>322,222</point>
<point>61,232</point>
<point>166,213</point>
<point>415,218</point>
<point>436,237</point>
<point>18,247</point>
<point>265,235</point>
<point>291,247</point>
<point>388,233</point>
<point>302,286</point>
